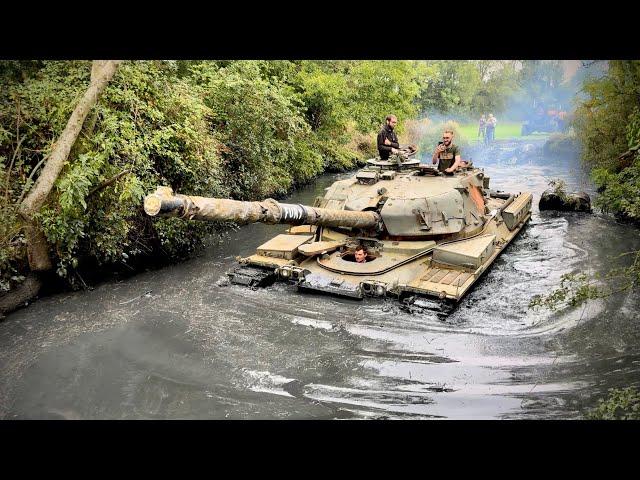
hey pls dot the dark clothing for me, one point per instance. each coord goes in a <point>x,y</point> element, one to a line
<point>482,126</point>
<point>490,130</point>
<point>385,150</point>
<point>448,157</point>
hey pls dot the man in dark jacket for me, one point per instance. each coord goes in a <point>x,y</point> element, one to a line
<point>387,138</point>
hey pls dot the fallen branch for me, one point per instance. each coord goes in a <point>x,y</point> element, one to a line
<point>147,293</point>
<point>629,153</point>
<point>106,183</point>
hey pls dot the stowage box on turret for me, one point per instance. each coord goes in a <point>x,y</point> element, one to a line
<point>426,234</point>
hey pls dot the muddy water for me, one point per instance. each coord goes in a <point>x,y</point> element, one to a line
<point>177,343</point>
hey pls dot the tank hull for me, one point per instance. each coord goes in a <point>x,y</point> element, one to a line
<point>425,233</point>
<point>444,270</point>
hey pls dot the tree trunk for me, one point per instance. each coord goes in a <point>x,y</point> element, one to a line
<point>101,74</point>
<point>102,71</point>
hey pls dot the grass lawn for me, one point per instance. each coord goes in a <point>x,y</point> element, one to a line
<point>504,131</point>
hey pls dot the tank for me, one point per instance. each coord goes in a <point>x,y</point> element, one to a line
<point>427,234</point>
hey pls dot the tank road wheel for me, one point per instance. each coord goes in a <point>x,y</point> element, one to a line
<point>252,276</point>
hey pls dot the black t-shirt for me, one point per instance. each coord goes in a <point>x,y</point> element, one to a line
<point>385,150</point>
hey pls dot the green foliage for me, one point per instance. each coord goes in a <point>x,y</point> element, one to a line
<point>620,192</point>
<point>148,125</point>
<point>267,146</point>
<point>323,88</point>
<point>559,144</point>
<point>499,85</point>
<point>577,288</point>
<point>616,167</point>
<point>450,87</point>
<point>246,129</point>
<point>378,88</point>
<point>607,124</point>
<point>345,100</point>
<point>559,187</point>
<point>621,404</point>
<point>364,93</point>
<point>16,71</point>
<point>467,88</point>
<point>607,121</point>
<point>542,81</point>
<point>574,290</point>
<point>11,240</point>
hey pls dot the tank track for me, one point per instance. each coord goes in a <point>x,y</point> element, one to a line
<point>252,276</point>
<point>418,304</point>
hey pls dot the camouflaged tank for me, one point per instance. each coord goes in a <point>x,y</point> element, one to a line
<point>427,234</point>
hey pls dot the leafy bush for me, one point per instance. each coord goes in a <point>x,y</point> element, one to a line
<point>148,128</point>
<point>607,121</point>
<point>619,192</point>
<point>245,129</point>
<point>621,404</point>
<point>607,125</point>
<point>266,146</point>
<point>561,144</point>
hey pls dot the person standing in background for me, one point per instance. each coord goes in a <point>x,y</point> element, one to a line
<point>490,129</point>
<point>482,125</point>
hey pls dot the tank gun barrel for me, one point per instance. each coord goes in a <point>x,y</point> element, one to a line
<point>163,202</point>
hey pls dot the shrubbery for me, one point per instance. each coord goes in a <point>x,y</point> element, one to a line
<point>240,129</point>
<point>621,404</point>
<point>560,144</point>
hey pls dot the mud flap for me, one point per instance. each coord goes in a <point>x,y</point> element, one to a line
<point>252,276</point>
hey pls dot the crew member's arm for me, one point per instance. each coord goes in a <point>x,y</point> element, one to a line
<point>434,157</point>
<point>455,165</point>
<point>384,144</point>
